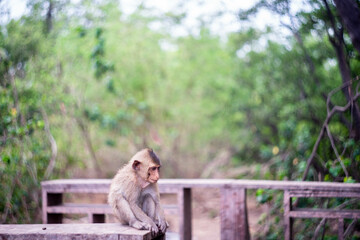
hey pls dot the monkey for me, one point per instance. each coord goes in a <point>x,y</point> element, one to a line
<point>134,194</point>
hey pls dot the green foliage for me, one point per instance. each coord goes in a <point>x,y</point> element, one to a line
<point>263,196</point>
<point>107,84</point>
<point>24,153</point>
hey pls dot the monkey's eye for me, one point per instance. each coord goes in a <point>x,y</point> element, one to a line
<point>153,168</point>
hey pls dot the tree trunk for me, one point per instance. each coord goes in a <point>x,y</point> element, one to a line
<point>350,14</point>
<point>49,17</point>
<point>338,43</point>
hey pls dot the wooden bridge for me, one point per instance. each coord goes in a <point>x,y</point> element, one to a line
<point>233,210</point>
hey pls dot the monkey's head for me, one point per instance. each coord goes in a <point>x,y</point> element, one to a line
<point>146,164</point>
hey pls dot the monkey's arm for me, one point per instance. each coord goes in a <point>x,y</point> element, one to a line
<point>141,216</point>
<point>131,208</point>
<point>160,215</point>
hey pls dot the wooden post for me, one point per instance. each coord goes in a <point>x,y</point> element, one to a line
<point>341,229</point>
<point>52,200</point>
<point>185,221</point>
<point>288,222</point>
<point>234,222</point>
<point>44,206</point>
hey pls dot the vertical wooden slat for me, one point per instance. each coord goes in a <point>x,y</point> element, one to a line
<point>224,210</point>
<point>44,206</point>
<point>341,229</point>
<point>185,221</point>
<point>244,215</point>
<point>52,200</point>
<point>287,219</point>
<point>233,214</point>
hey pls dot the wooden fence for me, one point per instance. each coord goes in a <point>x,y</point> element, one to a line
<point>233,210</point>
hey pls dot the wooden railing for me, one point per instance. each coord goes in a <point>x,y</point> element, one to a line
<point>233,210</point>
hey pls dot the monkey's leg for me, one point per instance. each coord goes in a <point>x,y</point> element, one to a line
<point>155,212</point>
<point>125,214</point>
<point>149,207</point>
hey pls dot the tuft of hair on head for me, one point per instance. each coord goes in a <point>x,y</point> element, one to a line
<point>153,156</point>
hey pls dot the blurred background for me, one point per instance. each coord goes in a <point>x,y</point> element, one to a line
<point>219,89</point>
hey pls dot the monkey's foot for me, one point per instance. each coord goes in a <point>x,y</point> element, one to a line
<point>145,226</point>
<point>162,225</point>
<point>138,225</point>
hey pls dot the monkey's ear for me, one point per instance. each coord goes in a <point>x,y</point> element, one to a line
<point>136,165</point>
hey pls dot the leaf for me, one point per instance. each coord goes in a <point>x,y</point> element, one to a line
<point>335,171</point>
<point>263,196</point>
<point>349,180</point>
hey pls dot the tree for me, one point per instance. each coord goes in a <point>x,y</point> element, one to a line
<point>350,13</point>
<point>316,24</point>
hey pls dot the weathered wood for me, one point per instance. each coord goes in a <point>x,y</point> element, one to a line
<point>183,188</point>
<point>327,193</point>
<point>185,213</point>
<point>80,208</point>
<point>77,185</point>
<point>233,214</point>
<point>72,231</point>
<point>324,213</point>
<point>290,213</point>
<point>288,222</point>
<point>94,208</point>
<point>341,229</point>
<point>102,185</point>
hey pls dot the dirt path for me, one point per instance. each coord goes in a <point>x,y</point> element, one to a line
<point>206,214</point>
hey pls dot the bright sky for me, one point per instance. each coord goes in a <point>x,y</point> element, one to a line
<point>228,22</point>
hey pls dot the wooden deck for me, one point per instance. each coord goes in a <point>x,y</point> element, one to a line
<point>233,209</point>
<point>72,231</point>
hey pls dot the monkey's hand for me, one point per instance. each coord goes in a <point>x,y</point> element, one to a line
<point>150,225</point>
<point>162,224</point>
<point>145,226</point>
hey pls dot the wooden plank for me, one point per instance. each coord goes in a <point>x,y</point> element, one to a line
<point>324,213</point>
<point>77,185</point>
<point>233,214</point>
<point>328,193</point>
<point>72,231</point>
<point>185,214</point>
<point>88,208</point>
<point>288,222</point>
<point>287,185</point>
<point>170,209</point>
<point>341,229</point>
<point>102,185</point>
<point>225,220</point>
<point>44,206</point>
<point>79,208</point>
<point>244,227</point>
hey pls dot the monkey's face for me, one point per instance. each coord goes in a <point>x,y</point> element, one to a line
<point>146,165</point>
<point>153,173</point>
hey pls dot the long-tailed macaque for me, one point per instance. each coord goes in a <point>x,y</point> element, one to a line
<point>134,194</point>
